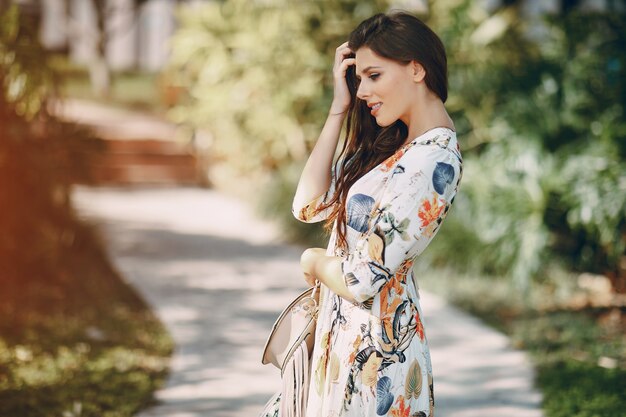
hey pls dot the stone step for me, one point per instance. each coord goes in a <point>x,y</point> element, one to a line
<point>145,146</point>
<point>144,161</point>
<point>138,147</point>
<point>136,175</point>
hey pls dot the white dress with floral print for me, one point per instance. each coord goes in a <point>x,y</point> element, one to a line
<point>371,357</point>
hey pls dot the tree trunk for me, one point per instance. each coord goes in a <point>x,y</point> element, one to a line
<point>100,76</point>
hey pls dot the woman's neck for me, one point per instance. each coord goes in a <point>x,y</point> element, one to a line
<point>427,114</point>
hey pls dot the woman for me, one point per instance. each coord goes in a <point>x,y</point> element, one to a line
<point>385,199</point>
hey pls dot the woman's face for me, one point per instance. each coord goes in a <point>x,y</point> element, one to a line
<point>386,86</point>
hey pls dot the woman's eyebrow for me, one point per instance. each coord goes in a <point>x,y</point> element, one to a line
<point>369,68</point>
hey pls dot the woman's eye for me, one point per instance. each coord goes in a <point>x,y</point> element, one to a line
<point>374,76</point>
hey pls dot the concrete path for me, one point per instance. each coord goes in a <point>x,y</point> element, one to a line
<point>218,277</point>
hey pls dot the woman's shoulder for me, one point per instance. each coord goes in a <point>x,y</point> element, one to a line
<point>440,142</point>
<point>441,136</point>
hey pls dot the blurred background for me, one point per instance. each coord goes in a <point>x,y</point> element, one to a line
<point>231,96</point>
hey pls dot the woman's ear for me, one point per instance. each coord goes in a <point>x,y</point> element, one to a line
<point>418,71</point>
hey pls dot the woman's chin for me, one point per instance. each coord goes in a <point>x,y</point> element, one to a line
<point>383,122</point>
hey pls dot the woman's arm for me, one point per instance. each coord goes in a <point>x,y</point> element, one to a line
<point>411,211</point>
<point>316,175</point>
<point>315,178</point>
<point>326,269</point>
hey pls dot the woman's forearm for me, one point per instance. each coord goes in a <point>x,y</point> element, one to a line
<point>315,177</point>
<point>327,269</point>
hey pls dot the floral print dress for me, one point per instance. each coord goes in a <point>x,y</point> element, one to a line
<point>371,357</point>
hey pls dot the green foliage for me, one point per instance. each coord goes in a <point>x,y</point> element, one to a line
<point>24,81</point>
<point>567,347</point>
<point>540,109</point>
<point>259,74</point>
<point>596,199</point>
<point>506,191</point>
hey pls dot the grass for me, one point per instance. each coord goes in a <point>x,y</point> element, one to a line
<point>578,349</point>
<point>77,340</point>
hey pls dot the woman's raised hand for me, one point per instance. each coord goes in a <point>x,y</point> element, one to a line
<point>341,98</point>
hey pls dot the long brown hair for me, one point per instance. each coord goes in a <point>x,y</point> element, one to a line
<point>401,37</point>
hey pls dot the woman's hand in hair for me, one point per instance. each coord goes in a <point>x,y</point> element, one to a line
<point>344,57</point>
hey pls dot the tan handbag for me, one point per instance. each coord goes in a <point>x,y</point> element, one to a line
<point>289,347</point>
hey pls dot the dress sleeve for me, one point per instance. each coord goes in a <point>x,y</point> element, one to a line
<point>304,211</point>
<point>416,200</point>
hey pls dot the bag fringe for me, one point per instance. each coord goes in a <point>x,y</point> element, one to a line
<point>295,384</point>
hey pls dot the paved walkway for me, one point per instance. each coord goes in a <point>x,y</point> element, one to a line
<point>218,277</point>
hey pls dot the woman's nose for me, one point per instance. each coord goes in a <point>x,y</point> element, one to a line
<point>361,91</point>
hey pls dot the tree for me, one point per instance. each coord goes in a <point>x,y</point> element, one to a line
<point>111,16</point>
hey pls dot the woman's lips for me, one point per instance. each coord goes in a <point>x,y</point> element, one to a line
<point>375,108</point>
